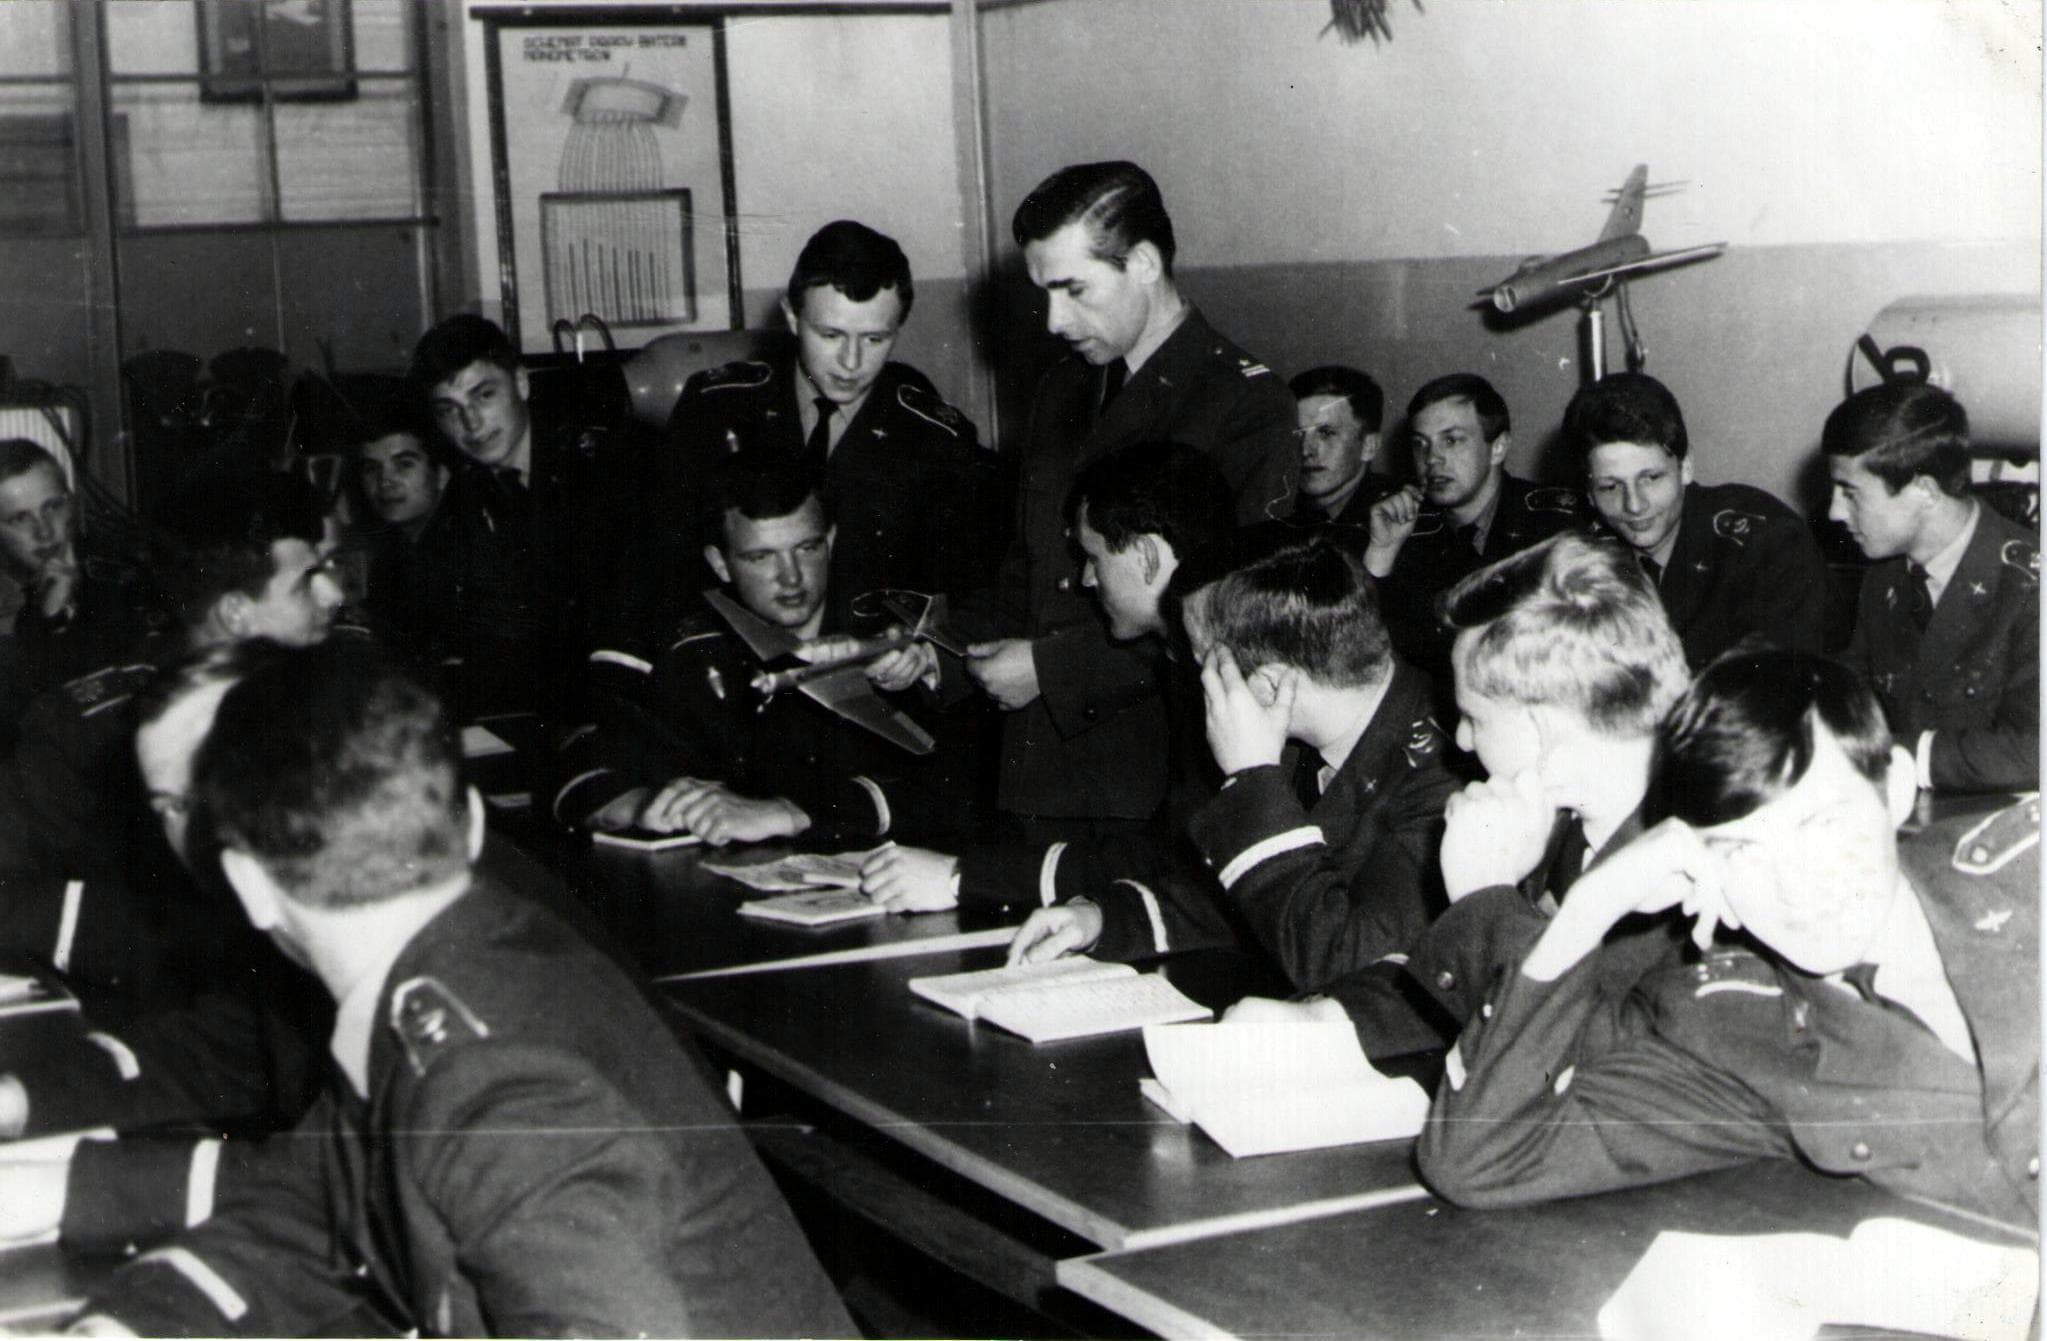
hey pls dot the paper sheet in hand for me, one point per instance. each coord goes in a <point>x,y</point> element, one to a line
<point>1890,1274</point>
<point>797,871</point>
<point>1261,1088</point>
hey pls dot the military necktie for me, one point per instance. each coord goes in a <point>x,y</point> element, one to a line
<point>1568,863</point>
<point>1307,780</point>
<point>1113,377</point>
<point>1652,568</point>
<point>817,448</point>
<point>1918,596</point>
<point>1467,538</point>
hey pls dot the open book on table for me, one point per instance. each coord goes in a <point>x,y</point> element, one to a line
<point>1065,998</point>
<point>1260,1088</point>
<point>815,907</point>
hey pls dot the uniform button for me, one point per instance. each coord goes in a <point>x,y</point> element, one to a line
<point>1860,1150</point>
<point>1066,584</point>
<point>2033,1167</point>
<point>1090,713</point>
<point>1446,980</point>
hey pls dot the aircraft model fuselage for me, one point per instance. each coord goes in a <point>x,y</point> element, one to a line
<point>1541,278</point>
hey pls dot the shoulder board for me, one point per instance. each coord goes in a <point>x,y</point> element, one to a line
<point>1552,499</point>
<point>109,685</point>
<point>733,376</point>
<point>428,1019</point>
<point>2022,555</point>
<point>1732,524</point>
<point>1424,738</point>
<point>1999,839</point>
<point>929,406</point>
<point>1736,973</point>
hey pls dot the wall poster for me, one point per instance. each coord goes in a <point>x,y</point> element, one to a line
<point>612,156</point>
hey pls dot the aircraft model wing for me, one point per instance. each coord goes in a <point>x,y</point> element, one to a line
<point>767,641</point>
<point>848,693</point>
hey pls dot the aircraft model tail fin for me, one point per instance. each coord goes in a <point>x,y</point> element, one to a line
<point>1626,217</point>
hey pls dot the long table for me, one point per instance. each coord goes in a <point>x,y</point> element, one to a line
<point>1425,1269</point>
<point>1058,1129</point>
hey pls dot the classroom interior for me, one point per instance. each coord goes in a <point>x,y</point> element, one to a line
<point>188,252</point>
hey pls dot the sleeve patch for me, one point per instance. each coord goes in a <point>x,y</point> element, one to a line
<point>1552,500</point>
<point>1735,526</point>
<point>735,376</point>
<point>2000,839</point>
<point>931,408</point>
<point>428,1017</point>
<point>2022,556</point>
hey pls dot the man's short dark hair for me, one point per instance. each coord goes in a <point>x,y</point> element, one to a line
<point>1489,405</point>
<point>855,260</point>
<point>18,456</point>
<point>457,342</point>
<point>226,524</point>
<point>1166,489</point>
<point>1571,622</point>
<point>340,773</point>
<point>381,406</point>
<point>1119,202</point>
<point>1367,401</point>
<point>1743,734</point>
<point>1310,606</point>
<point>1902,429</point>
<point>760,487</point>
<point>1625,407</point>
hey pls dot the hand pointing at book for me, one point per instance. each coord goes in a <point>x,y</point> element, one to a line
<point>1050,933</point>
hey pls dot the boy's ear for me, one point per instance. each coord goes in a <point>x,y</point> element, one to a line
<point>1148,553</point>
<point>1264,682</point>
<point>716,558</point>
<point>1901,785</point>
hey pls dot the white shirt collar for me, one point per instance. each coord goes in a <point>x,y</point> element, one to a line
<point>1940,569</point>
<point>355,1020</point>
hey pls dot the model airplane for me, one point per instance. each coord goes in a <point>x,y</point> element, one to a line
<point>1621,250</point>
<point>840,684</point>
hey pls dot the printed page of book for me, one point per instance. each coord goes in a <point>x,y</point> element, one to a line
<point>1082,1008</point>
<point>1267,1087</point>
<point>963,993</point>
<point>815,908</point>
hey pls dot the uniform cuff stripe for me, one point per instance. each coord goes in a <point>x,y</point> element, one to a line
<point>884,820</point>
<point>67,925</point>
<point>203,1278</point>
<point>1265,849</point>
<point>1048,875</point>
<point>631,663</point>
<point>1151,914</point>
<point>123,1055</point>
<point>199,1184</point>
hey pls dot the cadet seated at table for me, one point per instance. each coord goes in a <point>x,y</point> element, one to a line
<point>1880,1017</point>
<point>1947,630</point>
<point>1323,835</point>
<point>1144,517</point>
<point>675,739</point>
<point>486,1158</point>
<point>255,563</point>
<point>1731,563</point>
<point>1564,663</point>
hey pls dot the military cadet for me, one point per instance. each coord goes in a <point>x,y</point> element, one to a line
<point>1338,412</point>
<point>572,473</point>
<point>81,605</point>
<point>1880,1018</point>
<point>1564,663</point>
<point>1084,743</point>
<point>1731,563</point>
<point>256,563</point>
<point>874,431</point>
<point>1147,517</point>
<point>1466,512</point>
<point>1325,848</point>
<point>1947,629</point>
<point>449,579</point>
<point>486,1158</point>
<point>677,741</point>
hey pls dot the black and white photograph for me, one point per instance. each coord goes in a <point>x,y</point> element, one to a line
<point>1021,668</point>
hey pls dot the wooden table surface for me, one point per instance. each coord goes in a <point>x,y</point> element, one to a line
<point>1425,1269</point>
<point>1056,1128</point>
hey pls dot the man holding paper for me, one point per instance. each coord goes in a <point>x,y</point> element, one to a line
<point>1882,1018</point>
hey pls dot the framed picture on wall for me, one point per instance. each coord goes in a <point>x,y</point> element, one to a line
<point>611,151</point>
<point>306,47</point>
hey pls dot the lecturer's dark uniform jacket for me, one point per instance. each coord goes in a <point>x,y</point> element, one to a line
<point>917,502</point>
<point>1973,677</point>
<point>1352,879</point>
<point>523,1163</point>
<point>1743,567</point>
<point>1093,744</point>
<point>1435,558</point>
<point>1560,1090</point>
<point>685,707</point>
